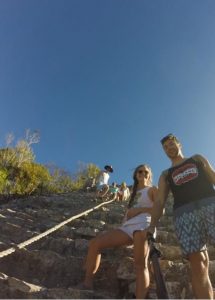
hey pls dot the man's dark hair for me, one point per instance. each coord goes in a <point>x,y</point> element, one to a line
<point>170,136</point>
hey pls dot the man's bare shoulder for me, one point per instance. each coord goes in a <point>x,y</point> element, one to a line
<point>197,157</point>
<point>164,174</point>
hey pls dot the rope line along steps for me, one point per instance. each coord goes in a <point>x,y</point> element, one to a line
<point>47,232</point>
<point>53,264</point>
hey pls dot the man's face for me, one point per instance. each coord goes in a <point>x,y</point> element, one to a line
<point>171,148</point>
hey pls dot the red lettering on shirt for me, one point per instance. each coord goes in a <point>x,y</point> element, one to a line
<point>185,174</point>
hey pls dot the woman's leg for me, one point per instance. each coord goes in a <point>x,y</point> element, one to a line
<point>141,254</point>
<point>112,238</point>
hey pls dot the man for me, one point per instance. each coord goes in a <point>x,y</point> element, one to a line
<point>191,182</point>
<point>102,181</point>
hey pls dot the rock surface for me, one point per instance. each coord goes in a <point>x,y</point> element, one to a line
<point>51,267</point>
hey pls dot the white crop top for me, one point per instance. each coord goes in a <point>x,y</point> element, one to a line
<point>141,200</point>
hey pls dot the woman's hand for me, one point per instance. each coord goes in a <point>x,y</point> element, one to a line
<point>132,212</point>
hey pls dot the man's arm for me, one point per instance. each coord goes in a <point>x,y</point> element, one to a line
<point>159,203</point>
<point>207,167</point>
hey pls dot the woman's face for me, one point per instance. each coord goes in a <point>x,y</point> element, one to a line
<point>143,175</point>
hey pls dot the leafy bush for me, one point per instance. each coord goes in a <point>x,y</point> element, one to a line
<point>31,178</point>
<point>3,180</point>
<point>21,175</point>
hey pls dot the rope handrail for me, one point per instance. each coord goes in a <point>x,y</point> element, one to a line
<point>47,232</point>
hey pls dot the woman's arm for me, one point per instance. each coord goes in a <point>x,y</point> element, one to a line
<point>159,203</point>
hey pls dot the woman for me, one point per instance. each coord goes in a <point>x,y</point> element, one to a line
<point>132,231</point>
<point>113,191</point>
<point>123,193</point>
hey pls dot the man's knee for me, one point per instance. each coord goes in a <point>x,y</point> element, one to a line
<point>199,262</point>
<point>106,187</point>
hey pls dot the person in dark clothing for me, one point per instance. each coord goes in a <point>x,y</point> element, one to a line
<point>191,182</point>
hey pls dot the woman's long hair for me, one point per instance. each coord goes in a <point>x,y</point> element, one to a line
<point>135,184</point>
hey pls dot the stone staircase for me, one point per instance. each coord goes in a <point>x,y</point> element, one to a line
<point>52,267</point>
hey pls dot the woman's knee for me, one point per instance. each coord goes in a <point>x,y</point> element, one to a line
<point>94,243</point>
<point>141,252</point>
<point>141,264</point>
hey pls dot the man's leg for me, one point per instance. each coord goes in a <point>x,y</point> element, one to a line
<point>190,230</point>
<point>199,263</point>
<point>101,190</point>
<point>104,190</point>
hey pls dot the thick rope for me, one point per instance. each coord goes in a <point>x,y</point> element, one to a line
<point>47,232</point>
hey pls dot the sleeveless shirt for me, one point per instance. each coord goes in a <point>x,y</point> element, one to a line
<point>141,200</point>
<point>189,182</point>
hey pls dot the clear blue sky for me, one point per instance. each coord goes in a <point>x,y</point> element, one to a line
<point>103,81</point>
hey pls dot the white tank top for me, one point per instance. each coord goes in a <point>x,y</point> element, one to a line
<point>141,200</point>
<point>103,179</point>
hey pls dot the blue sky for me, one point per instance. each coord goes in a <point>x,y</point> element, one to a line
<point>103,81</point>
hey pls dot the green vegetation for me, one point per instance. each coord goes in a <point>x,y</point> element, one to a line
<point>21,175</point>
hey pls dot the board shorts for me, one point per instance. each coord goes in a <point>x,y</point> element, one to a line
<point>100,187</point>
<point>195,225</point>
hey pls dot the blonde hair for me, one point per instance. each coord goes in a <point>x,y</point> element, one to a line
<point>123,184</point>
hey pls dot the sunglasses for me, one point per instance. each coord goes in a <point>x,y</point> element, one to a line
<point>143,172</point>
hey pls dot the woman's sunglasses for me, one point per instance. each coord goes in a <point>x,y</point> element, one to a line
<point>145,172</point>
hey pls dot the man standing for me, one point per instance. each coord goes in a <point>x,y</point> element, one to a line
<point>102,181</point>
<point>191,182</point>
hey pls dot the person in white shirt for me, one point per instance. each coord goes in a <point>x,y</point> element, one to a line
<point>102,186</point>
<point>133,231</point>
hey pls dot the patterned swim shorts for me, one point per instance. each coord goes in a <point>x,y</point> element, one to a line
<point>195,225</point>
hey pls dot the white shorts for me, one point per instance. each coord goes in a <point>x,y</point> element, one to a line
<point>130,229</point>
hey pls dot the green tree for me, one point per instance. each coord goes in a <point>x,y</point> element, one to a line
<point>3,180</point>
<point>20,174</point>
<point>85,172</point>
<point>31,178</point>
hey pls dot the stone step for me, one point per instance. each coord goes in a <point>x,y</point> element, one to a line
<point>13,288</point>
<point>167,238</point>
<point>70,293</point>
<point>54,264</point>
<point>170,252</point>
<point>45,268</point>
